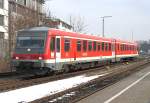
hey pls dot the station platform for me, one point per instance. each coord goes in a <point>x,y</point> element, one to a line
<point>132,89</point>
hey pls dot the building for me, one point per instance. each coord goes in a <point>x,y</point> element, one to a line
<point>3,26</point>
<point>3,19</point>
<point>23,14</point>
<point>20,6</point>
<point>58,24</point>
<point>9,11</point>
<point>26,8</point>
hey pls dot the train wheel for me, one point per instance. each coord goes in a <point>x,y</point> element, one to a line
<point>42,71</point>
<point>66,68</point>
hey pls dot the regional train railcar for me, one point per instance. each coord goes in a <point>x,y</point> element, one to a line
<point>126,50</point>
<point>80,51</point>
<point>43,50</point>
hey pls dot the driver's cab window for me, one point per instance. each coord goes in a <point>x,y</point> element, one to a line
<point>58,44</point>
<point>52,44</point>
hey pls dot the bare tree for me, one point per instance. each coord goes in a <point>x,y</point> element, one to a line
<point>77,23</point>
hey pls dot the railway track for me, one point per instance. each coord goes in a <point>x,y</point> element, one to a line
<point>30,80</point>
<point>7,74</point>
<point>77,93</point>
<point>21,81</point>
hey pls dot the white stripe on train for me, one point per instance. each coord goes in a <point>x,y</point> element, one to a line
<point>87,58</point>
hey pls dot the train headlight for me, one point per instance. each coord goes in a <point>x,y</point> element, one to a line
<point>17,58</point>
<point>40,58</point>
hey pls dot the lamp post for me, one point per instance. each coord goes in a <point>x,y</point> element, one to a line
<point>103,20</point>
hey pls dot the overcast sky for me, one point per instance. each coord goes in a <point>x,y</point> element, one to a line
<point>127,16</point>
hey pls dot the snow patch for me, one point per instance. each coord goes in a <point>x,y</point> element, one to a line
<point>31,93</point>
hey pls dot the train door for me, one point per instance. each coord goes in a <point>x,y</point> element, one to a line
<point>113,50</point>
<point>57,50</point>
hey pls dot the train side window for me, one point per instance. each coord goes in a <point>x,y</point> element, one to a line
<point>84,45</point>
<point>109,46</point>
<point>98,46</point>
<point>124,47</point>
<point>89,45</point>
<point>67,45</point>
<point>106,46</point>
<point>118,47</point>
<point>78,45</point>
<point>52,44</point>
<point>94,45</point>
<point>121,47</point>
<point>58,44</point>
<point>102,46</point>
<point>130,47</point>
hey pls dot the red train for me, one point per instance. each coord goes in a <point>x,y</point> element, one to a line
<point>43,50</point>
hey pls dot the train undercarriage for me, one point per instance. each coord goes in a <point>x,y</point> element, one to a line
<point>42,68</point>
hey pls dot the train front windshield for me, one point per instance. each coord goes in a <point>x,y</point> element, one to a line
<point>30,42</point>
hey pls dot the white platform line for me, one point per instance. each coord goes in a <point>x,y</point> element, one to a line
<point>125,89</point>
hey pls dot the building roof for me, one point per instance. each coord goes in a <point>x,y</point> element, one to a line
<point>56,20</point>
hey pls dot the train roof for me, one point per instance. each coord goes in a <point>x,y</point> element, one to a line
<point>43,28</point>
<point>87,36</point>
<point>71,34</point>
<point>76,35</point>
